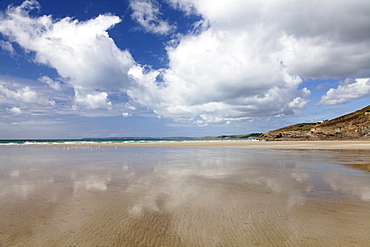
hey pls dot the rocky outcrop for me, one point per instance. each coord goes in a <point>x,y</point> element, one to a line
<point>351,126</point>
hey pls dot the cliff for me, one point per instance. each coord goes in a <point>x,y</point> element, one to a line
<point>351,126</point>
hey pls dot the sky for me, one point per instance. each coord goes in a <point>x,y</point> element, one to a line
<point>190,68</point>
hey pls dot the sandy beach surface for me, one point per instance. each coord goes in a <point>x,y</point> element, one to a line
<point>303,145</point>
<point>149,194</point>
<point>312,145</point>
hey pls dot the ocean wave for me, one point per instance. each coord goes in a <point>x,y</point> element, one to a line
<point>108,141</point>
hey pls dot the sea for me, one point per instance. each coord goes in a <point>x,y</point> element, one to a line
<point>113,140</point>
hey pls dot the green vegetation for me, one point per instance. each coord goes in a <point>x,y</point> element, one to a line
<point>296,127</point>
<point>234,136</point>
<point>241,136</point>
<point>302,126</point>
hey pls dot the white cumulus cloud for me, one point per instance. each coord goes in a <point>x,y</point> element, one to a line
<point>147,14</point>
<point>81,52</point>
<point>15,110</point>
<point>7,46</point>
<point>91,101</point>
<point>346,92</point>
<point>250,58</point>
<point>25,94</point>
<point>244,59</point>
<point>126,114</point>
<point>192,101</point>
<point>51,83</point>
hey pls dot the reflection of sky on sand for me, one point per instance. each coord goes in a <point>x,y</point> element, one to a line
<point>207,180</point>
<point>91,183</point>
<point>14,173</point>
<point>349,185</point>
<point>211,196</point>
<point>180,172</point>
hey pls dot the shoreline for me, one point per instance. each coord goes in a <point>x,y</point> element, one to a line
<point>297,145</point>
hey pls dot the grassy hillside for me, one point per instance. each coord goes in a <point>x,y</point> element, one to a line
<point>252,135</point>
<point>346,118</point>
<point>352,125</point>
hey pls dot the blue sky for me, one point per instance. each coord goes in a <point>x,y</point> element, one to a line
<point>74,69</point>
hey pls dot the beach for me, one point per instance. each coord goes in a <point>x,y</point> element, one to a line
<point>298,145</point>
<point>304,145</point>
<point>219,193</point>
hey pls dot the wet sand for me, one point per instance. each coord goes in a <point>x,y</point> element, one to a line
<point>159,196</point>
<point>299,145</point>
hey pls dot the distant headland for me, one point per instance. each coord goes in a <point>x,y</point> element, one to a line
<point>352,126</point>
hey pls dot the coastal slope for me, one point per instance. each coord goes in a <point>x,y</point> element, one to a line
<point>355,125</point>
